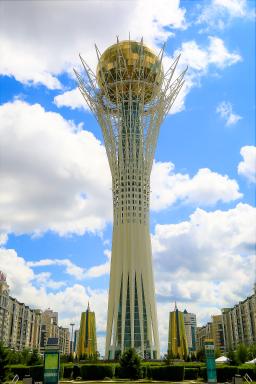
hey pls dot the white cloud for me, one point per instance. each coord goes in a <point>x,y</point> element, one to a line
<point>33,290</point>
<point>49,177</point>
<point>72,99</point>
<point>201,60</point>
<point>3,238</point>
<point>198,262</point>
<point>204,188</point>
<point>236,8</point>
<point>225,110</point>
<point>72,269</point>
<point>219,55</point>
<point>50,171</point>
<point>219,14</point>
<point>247,167</point>
<point>205,263</point>
<point>36,47</point>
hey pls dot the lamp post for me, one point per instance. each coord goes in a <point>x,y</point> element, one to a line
<point>72,342</point>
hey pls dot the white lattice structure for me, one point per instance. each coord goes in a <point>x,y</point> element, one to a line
<point>130,95</point>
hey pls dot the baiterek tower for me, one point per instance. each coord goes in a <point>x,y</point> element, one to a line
<point>130,95</point>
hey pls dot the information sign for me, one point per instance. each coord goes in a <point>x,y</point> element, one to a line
<point>51,367</point>
<point>210,360</point>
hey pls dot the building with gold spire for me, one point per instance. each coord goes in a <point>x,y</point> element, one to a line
<point>87,341</point>
<point>177,340</point>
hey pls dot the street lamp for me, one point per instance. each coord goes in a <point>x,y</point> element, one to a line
<point>72,342</point>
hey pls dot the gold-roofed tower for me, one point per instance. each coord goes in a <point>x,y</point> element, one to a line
<point>130,95</point>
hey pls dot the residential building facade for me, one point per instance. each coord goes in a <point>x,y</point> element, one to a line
<point>19,324</point>
<point>190,329</point>
<point>239,323</point>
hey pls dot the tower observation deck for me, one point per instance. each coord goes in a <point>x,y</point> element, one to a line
<point>130,96</point>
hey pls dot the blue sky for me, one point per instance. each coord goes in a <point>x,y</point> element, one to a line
<point>55,196</point>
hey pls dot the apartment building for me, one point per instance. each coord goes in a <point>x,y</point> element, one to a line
<point>19,324</point>
<point>239,323</point>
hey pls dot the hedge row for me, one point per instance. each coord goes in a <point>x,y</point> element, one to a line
<point>226,373</point>
<point>166,373</point>
<point>191,373</point>
<point>160,372</point>
<point>36,371</point>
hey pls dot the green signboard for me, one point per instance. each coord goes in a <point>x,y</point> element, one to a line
<point>210,361</point>
<point>51,367</point>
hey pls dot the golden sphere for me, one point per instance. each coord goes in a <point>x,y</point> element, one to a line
<point>129,70</point>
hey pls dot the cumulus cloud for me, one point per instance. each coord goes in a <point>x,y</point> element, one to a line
<point>247,167</point>
<point>3,238</point>
<point>199,262</point>
<point>50,171</point>
<point>205,188</point>
<point>211,249</point>
<point>50,180</point>
<point>33,289</point>
<point>200,59</point>
<point>225,110</point>
<point>35,45</point>
<point>72,99</point>
<point>72,269</point>
<point>219,14</point>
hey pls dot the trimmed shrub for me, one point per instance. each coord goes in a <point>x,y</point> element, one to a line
<point>191,373</point>
<point>166,373</point>
<point>120,373</point>
<point>226,373</point>
<point>76,371</point>
<point>20,370</point>
<point>68,371</point>
<point>203,373</point>
<point>96,372</point>
<point>144,371</point>
<point>61,373</point>
<point>250,370</point>
<point>37,372</point>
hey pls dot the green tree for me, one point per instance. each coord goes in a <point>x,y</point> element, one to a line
<point>130,363</point>
<point>193,356</point>
<point>252,351</point>
<point>25,354</point>
<point>232,357</point>
<point>4,360</point>
<point>200,355</point>
<point>168,358</point>
<point>217,353</point>
<point>34,358</point>
<point>242,353</point>
<point>70,358</point>
<point>15,357</point>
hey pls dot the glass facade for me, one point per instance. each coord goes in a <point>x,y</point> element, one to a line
<point>127,328</point>
<point>137,333</point>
